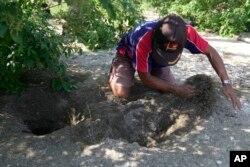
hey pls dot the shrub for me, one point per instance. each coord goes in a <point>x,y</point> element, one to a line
<point>226,17</point>
<point>99,23</point>
<point>27,41</point>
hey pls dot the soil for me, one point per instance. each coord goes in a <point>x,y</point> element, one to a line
<point>101,115</point>
<point>88,126</point>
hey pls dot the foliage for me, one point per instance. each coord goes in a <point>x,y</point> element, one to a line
<point>27,41</point>
<point>98,23</point>
<point>227,17</point>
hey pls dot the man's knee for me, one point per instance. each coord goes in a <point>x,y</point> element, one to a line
<point>121,76</point>
<point>120,91</point>
<point>123,95</point>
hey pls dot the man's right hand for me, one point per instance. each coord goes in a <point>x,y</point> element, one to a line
<point>185,91</point>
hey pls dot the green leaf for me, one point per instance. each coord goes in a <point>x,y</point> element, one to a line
<point>59,2</point>
<point>29,63</point>
<point>3,29</point>
<point>66,86</point>
<point>56,84</point>
<point>16,37</point>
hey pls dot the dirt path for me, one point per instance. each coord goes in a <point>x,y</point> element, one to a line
<point>93,132</point>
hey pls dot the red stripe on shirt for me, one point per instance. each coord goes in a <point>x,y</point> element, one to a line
<point>193,37</point>
<point>143,49</point>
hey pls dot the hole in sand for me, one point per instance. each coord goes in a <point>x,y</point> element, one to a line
<point>43,126</point>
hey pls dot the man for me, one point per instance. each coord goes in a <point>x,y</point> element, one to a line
<point>152,47</point>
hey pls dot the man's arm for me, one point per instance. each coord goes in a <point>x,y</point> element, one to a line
<point>183,91</point>
<point>220,69</point>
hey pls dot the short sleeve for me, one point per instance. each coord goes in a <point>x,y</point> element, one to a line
<point>143,49</point>
<point>195,43</point>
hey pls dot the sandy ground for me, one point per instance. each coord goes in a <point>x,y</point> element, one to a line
<point>206,144</point>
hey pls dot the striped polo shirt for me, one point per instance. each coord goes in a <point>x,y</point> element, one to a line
<point>137,45</point>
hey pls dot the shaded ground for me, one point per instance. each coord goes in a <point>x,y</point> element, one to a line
<point>147,117</point>
<point>92,128</point>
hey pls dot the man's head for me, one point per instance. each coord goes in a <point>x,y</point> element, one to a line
<point>168,40</point>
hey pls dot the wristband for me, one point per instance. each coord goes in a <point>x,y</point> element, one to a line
<point>227,82</point>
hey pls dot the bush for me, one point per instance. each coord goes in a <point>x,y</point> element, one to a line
<point>226,17</point>
<point>27,41</point>
<point>99,23</point>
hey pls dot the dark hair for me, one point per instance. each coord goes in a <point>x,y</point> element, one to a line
<point>175,32</point>
<point>168,40</point>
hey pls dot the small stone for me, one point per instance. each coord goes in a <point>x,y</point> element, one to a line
<point>219,162</point>
<point>206,137</point>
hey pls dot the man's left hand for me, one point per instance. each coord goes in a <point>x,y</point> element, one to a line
<point>231,95</point>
